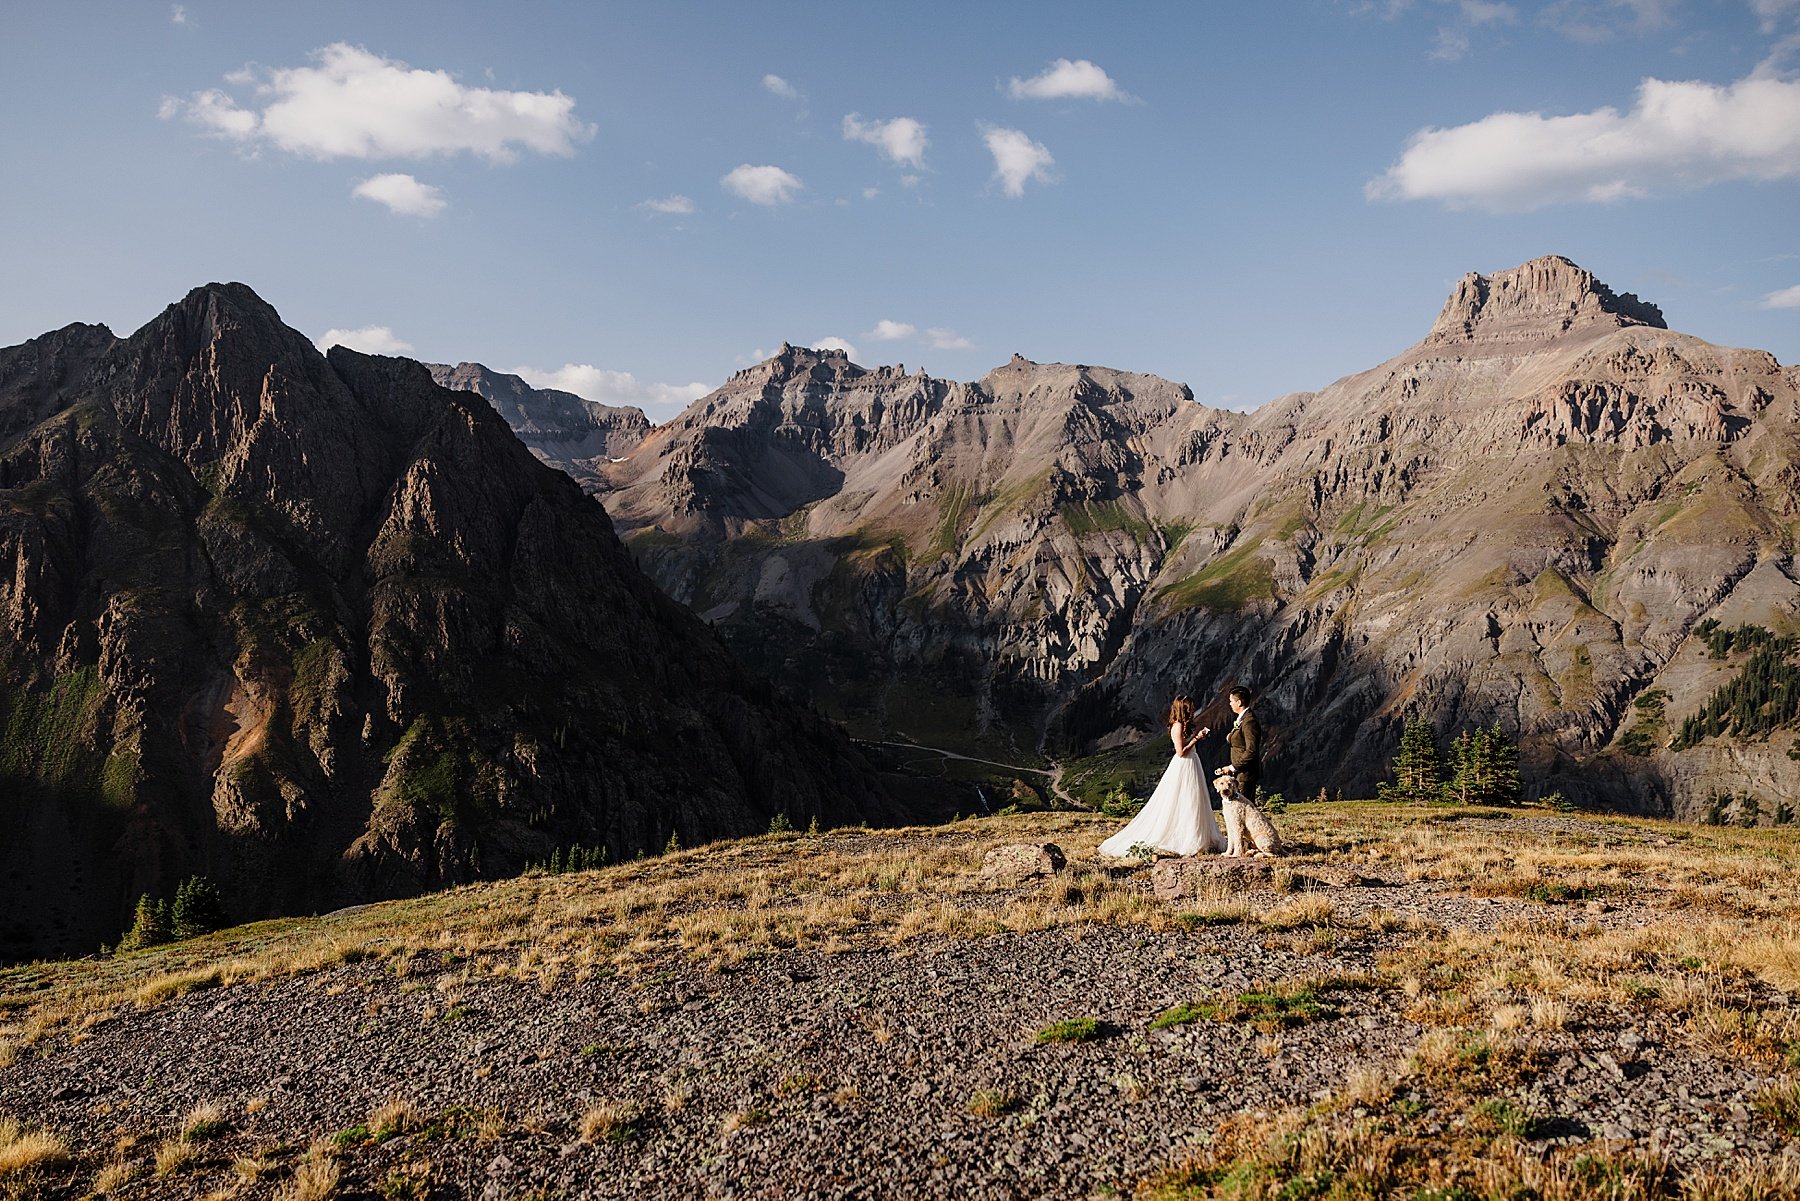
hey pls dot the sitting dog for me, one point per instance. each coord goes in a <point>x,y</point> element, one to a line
<point>1241,814</point>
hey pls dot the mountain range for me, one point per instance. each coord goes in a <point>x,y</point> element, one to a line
<point>322,630</point>
<point>1521,519</point>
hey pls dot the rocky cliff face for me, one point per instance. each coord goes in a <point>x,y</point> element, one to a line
<point>578,435</point>
<point>324,631</point>
<point>1520,519</point>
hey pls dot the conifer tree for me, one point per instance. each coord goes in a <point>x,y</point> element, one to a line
<point>1461,778</point>
<point>149,927</point>
<point>1503,784</point>
<point>198,908</point>
<point>1417,774</point>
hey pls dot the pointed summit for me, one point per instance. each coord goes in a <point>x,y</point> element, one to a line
<point>1534,302</point>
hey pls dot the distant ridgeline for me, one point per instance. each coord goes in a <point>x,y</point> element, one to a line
<point>1521,522</point>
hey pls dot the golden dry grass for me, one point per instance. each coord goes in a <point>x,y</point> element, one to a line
<point>174,1154</point>
<point>1738,913</point>
<point>203,1121</point>
<point>313,1180</point>
<point>609,1120</point>
<point>394,1116</point>
<point>24,1149</point>
<point>114,1177</point>
<point>1711,911</point>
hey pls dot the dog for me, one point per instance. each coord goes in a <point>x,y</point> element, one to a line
<point>1241,815</point>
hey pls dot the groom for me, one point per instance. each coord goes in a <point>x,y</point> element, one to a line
<point>1245,741</point>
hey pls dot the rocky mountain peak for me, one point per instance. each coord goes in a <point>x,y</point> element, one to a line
<point>791,363</point>
<point>1534,302</point>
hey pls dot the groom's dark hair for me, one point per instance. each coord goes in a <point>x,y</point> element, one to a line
<point>1242,693</point>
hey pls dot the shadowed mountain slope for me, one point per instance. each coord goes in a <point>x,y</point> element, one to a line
<point>324,631</point>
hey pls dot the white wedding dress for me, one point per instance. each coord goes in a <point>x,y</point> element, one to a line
<point>1178,816</point>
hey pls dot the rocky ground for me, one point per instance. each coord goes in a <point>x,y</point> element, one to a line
<point>1363,994</point>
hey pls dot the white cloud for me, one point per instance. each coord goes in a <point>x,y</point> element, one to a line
<point>402,194</point>
<point>370,339</point>
<point>835,343</point>
<point>1451,45</point>
<point>938,337</point>
<point>354,104</point>
<point>214,111</point>
<point>1594,21</point>
<point>781,87</point>
<point>619,388</point>
<point>1017,159</point>
<point>676,205</point>
<point>178,14</point>
<point>1487,12</point>
<point>902,140</point>
<point>1786,298</point>
<point>1678,135</point>
<point>871,193</point>
<point>1066,80</point>
<point>1772,12</point>
<point>762,185</point>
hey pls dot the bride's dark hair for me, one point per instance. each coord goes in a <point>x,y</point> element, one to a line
<point>1181,709</point>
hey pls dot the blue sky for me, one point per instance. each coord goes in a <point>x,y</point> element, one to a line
<point>638,199</point>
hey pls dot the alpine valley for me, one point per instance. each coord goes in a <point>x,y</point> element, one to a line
<point>1532,517</point>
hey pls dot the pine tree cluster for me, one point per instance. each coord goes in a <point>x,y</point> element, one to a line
<point>1743,809</point>
<point>575,859</point>
<point>1761,698</point>
<point>198,909</point>
<point>1481,767</point>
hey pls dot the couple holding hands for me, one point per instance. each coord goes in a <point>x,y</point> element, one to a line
<point>1178,817</point>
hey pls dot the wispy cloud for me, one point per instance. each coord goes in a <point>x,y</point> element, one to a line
<point>178,14</point>
<point>351,103</point>
<point>618,388</point>
<point>1067,80</point>
<point>1786,298</point>
<point>1487,12</point>
<point>1678,135</point>
<point>1773,13</point>
<point>902,140</point>
<point>1594,21</point>
<point>1017,159</point>
<point>938,337</point>
<point>402,194</point>
<point>780,87</point>
<point>836,343</point>
<point>891,331</point>
<point>370,339</point>
<point>1450,45</point>
<point>676,205</point>
<point>762,185</point>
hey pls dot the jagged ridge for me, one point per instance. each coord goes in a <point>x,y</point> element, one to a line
<point>1517,519</point>
<point>323,630</point>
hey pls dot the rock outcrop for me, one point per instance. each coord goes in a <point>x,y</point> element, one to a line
<point>1520,519</point>
<point>325,631</point>
<point>578,435</point>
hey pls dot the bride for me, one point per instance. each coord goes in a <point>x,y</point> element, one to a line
<point>1178,816</point>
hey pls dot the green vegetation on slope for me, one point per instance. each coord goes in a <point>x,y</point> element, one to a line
<point>1761,698</point>
<point>1105,517</point>
<point>1226,584</point>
